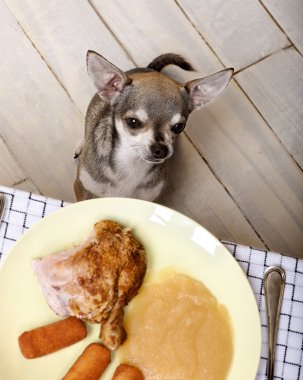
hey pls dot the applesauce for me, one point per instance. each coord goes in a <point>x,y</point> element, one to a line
<point>177,330</point>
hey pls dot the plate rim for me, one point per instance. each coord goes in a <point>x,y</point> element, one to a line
<point>54,214</point>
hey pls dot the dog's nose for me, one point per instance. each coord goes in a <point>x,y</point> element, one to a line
<point>159,151</point>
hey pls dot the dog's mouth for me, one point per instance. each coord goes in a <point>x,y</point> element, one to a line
<point>154,160</point>
<point>148,157</point>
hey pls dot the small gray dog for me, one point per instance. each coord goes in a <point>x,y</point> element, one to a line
<point>131,124</point>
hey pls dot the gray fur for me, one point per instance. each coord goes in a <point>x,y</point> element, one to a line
<point>116,160</point>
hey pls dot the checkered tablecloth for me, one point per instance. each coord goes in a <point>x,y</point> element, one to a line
<point>24,209</point>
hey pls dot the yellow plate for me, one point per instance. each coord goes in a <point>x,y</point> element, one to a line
<point>170,239</point>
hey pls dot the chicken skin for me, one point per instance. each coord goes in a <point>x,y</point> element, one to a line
<point>95,280</point>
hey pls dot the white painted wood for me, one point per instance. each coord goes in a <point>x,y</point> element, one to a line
<point>244,153</point>
<point>289,15</point>
<point>257,171</point>
<point>275,85</point>
<point>240,32</point>
<point>195,192</point>
<point>26,185</point>
<point>10,171</point>
<point>147,30</point>
<point>252,167</point>
<point>38,121</point>
<point>63,31</point>
<point>40,19</point>
<point>11,174</point>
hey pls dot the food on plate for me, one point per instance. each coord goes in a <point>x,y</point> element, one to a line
<point>53,337</point>
<point>95,280</point>
<point>177,330</point>
<point>127,372</point>
<point>90,364</point>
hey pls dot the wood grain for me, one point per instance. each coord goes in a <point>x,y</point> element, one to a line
<point>289,15</point>
<point>275,85</point>
<point>236,142</point>
<point>240,32</point>
<point>145,30</point>
<point>194,191</point>
<point>33,16</point>
<point>233,173</point>
<point>62,32</point>
<point>10,170</point>
<point>266,184</point>
<point>26,185</point>
<point>38,121</point>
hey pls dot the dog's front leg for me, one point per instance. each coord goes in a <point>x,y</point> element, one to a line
<point>81,193</point>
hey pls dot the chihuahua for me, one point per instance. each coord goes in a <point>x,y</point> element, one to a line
<point>131,125</point>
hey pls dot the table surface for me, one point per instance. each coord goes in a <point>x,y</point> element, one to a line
<point>24,209</point>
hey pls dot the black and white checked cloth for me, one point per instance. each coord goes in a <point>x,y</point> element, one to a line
<point>24,209</point>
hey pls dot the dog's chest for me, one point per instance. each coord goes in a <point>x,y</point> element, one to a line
<point>130,171</point>
<point>129,177</point>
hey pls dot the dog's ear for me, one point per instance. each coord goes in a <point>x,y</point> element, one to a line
<point>108,79</point>
<point>203,91</point>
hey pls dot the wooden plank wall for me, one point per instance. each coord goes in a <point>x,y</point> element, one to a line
<point>238,170</point>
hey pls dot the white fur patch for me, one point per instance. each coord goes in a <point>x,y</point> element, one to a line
<point>142,115</point>
<point>89,183</point>
<point>133,145</point>
<point>151,194</point>
<point>176,118</point>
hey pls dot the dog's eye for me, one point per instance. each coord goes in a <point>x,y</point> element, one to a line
<point>133,123</point>
<point>178,128</point>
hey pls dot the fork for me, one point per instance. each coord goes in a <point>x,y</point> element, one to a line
<point>274,283</point>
